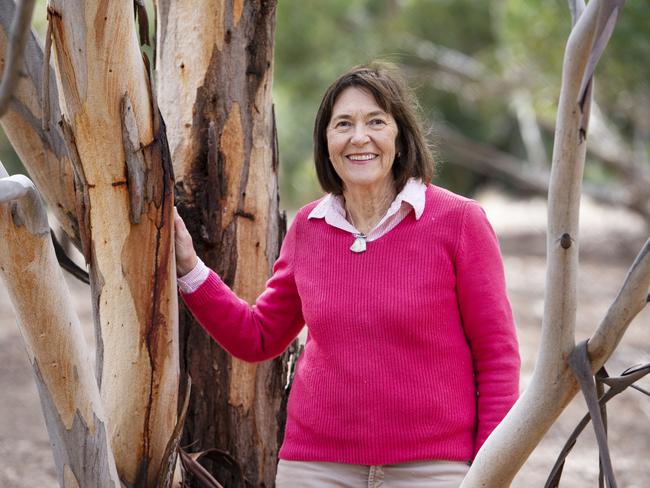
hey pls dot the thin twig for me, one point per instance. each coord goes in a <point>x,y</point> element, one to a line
<point>66,263</point>
<point>168,465</point>
<point>18,38</point>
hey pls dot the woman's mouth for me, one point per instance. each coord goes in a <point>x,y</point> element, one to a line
<point>361,158</point>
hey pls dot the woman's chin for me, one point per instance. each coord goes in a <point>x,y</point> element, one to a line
<point>367,184</point>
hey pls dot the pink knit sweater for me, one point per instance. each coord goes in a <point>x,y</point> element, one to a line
<point>412,352</point>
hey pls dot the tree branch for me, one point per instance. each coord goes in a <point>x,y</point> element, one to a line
<point>552,385</point>
<point>17,39</point>
<point>451,60</point>
<point>53,339</point>
<point>631,299</point>
<point>605,145</point>
<point>457,73</point>
<point>45,91</point>
<point>490,161</point>
<point>32,212</point>
<point>42,152</point>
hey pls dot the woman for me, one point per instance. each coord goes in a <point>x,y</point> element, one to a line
<point>411,358</point>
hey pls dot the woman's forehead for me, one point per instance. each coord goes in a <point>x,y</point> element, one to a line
<point>356,100</point>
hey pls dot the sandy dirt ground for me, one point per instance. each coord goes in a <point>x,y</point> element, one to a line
<point>609,242</point>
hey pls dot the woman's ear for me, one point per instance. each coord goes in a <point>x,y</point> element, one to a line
<point>398,148</point>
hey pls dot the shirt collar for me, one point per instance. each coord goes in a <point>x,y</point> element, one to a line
<point>332,206</point>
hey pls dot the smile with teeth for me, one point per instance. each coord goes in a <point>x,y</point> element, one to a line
<point>361,157</point>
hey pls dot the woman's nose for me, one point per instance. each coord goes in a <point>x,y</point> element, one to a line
<point>360,135</point>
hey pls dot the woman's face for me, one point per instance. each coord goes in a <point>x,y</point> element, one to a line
<point>361,141</point>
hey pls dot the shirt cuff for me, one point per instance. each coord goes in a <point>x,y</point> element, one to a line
<point>191,282</point>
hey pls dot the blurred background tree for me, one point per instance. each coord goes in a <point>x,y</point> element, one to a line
<point>486,72</point>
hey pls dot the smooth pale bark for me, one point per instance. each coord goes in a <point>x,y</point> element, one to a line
<point>552,385</point>
<point>43,153</point>
<point>214,72</point>
<point>54,341</point>
<point>124,182</point>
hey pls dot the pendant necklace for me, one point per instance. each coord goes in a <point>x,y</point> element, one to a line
<point>359,244</point>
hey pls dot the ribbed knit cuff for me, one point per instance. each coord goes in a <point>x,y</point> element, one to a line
<point>191,282</point>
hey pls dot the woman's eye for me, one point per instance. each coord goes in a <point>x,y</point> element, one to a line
<point>341,124</point>
<point>378,122</point>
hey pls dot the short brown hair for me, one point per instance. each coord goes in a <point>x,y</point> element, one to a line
<point>392,94</point>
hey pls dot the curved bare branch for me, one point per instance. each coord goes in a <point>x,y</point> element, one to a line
<point>553,384</point>
<point>631,299</point>
<point>488,160</point>
<point>45,86</point>
<point>19,32</point>
<point>464,76</point>
<point>53,339</point>
<point>32,211</point>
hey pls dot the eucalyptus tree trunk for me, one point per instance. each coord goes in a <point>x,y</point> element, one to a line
<point>215,67</point>
<point>123,186</point>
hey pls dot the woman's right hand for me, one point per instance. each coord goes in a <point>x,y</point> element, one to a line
<point>186,257</point>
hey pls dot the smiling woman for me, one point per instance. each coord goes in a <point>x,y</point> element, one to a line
<point>411,358</point>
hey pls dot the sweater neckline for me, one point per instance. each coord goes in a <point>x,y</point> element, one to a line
<point>408,215</point>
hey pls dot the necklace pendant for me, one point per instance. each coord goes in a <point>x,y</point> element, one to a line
<point>359,244</point>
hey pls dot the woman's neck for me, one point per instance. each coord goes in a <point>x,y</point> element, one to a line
<point>365,208</point>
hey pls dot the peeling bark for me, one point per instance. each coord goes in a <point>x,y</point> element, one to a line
<point>135,175</point>
<point>216,95</point>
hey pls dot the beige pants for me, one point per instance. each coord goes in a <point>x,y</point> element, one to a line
<point>425,474</point>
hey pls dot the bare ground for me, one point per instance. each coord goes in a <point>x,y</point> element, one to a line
<point>609,240</point>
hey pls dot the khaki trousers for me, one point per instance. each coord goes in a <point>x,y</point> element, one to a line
<point>425,474</point>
